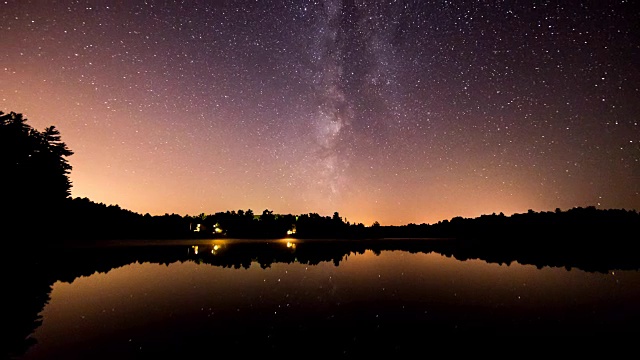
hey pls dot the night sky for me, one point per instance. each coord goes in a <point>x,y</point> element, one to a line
<point>395,111</point>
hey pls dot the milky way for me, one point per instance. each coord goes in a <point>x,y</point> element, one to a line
<point>395,111</point>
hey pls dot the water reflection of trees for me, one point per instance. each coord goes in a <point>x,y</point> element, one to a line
<point>35,270</point>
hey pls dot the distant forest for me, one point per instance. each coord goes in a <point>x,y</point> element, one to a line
<point>37,206</point>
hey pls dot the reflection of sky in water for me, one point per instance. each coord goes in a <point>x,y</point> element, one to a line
<point>127,306</point>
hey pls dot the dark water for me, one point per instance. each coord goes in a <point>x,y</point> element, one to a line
<point>186,299</point>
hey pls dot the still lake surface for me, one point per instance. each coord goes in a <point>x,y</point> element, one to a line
<point>126,300</point>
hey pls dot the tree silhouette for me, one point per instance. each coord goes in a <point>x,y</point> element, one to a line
<point>55,165</point>
<point>35,171</point>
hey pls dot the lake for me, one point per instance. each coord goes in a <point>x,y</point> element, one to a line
<point>122,300</point>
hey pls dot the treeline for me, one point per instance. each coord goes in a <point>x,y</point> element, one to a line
<point>578,221</point>
<point>80,218</point>
<point>244,224</point>
<point>83,219</point>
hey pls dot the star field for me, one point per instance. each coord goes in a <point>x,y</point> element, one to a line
<point>395,111</point>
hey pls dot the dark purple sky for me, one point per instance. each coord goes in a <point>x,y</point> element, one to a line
<point>396,111</point>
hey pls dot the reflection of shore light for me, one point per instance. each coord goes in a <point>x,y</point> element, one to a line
<point>216,247</point>
<point>291,245</point>
<point>195,249</point>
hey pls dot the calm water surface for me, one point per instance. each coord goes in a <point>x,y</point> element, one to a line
<point>391,301</point>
